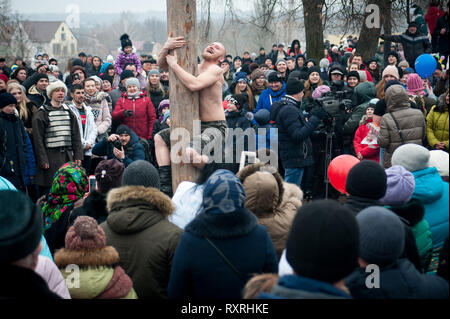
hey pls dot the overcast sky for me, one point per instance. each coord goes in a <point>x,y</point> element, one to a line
<point>106,6</point>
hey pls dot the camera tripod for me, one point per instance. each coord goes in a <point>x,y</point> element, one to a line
<point>330,134</point>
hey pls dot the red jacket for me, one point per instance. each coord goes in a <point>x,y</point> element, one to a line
<point>431,17</point>
<point>367,145</point>
<point>144,115</point>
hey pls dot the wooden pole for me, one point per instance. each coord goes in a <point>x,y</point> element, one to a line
<point>184,105</point>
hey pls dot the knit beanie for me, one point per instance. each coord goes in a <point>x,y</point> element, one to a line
<point>439,159</point>
<point>108,78</point>
<point>353,74</point>
<point>324,63</point>
<point>141,173</point>
<point>85,234</point>
<point>163,104</point>
<point>294,86</point>
<point>320,90</point>
<point>380,108</point>
<point>404,63</point>
<point>132,81</point>
<point>323,241</point>
<point>381,236</point>
<point>77,62</point>
<point>391,70</point>
<point>4,77</point>
<point>313,69</point>
<point>223,193</point>
<point>275,77</point>
<point>123,129</point>
<point>240,76</point>
<point>125,41</point>
<point>400,186</point>
<point>256,74</point>
<point>153,71</point>
<point>108,175</point>
<point>414,85</point>
<point>126,74</point>
<point>20,226</point>
<point>413,157</point>
<point>367,179</point>
<point>7,99</point>
<point>55,85</point>
<point>280,60</point>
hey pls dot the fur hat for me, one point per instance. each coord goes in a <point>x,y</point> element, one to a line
<point>108,175</point>
<point>413,157</point>
<point>55,85</point>
<point>125,41</point>
<point>256,74</point>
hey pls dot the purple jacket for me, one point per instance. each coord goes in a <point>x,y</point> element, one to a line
<point>123,59</point>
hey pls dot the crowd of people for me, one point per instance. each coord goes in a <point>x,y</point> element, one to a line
<point>85,176</point>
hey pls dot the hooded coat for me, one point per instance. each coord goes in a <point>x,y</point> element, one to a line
<point>274,202</point>
<point>138,228</point>
<point>432,191</point>
<point>438,123</point>
<point>363,93</point>
<point>411,122</point>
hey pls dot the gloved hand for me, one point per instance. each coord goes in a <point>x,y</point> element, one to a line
<point>319,112</point>
<point>128,113</point>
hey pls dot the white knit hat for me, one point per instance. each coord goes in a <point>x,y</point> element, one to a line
<point>439,159</point>
<point>55,85</point>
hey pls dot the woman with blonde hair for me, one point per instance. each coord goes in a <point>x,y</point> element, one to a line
<point>25,107</point>
<point>242,87</point>
<point>313,81</point>
<point>389,73</point>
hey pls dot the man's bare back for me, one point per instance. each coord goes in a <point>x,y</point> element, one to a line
<point>209,81</point>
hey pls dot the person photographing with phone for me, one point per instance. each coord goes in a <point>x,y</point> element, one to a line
<point>123,146</point>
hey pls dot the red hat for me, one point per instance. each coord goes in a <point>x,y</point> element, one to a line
<point>4,77</point>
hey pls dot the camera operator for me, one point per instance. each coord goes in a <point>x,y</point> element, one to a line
<point>123,146</point>
<point>327,139</point>
<point>294,131</point>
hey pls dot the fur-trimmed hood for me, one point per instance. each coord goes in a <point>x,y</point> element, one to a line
<point>134,208</point>
<point>107,256</point>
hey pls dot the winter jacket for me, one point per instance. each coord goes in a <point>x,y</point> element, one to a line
<point>297,287</point>
<point>357,204</point>
<point>13,149</point>
<point>37,97</point>
<point>199,272</point>
<point>363,93</point>
<point>433,193</point>
<point>30,168</point>
<point>23,283</point>
<point>413,44</point>
<point>438,123</point>
<point>274,202</point>
<point>268,97</point>
<point>100,109</point>
<point>432,16</point>
<point>365,141</point>
<point>47,269</point>
<point>400,280</point>
<point>99,275</point>
<point>157,95</point>
<point>93,206</point>
<point>138,228</point>
<point>89,133</point>
<point>123,59</point>
<point>144,115</point>
<point>293,133</point>
<point>134,150</point>
<point>414,213</point>
<point>442,42</point>
<point>411,122</point>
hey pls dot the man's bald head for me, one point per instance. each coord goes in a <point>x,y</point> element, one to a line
<point>215,52</point>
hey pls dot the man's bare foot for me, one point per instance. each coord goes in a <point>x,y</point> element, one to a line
<point>197,160</point>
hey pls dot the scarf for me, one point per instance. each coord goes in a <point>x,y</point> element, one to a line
<point>70,183</point>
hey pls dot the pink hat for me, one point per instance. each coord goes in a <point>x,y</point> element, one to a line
<point>320,90</point>
<point>4,77</point>
<point>414,85</point>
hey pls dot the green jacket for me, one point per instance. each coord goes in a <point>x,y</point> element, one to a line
<point>438,123</point>
<point>137,226</point>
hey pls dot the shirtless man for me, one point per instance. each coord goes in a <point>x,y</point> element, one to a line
<point>209,84</point>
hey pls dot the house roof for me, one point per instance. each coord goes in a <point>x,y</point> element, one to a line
<point>41,31</point>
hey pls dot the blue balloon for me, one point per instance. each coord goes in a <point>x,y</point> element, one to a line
<point>425,65</point>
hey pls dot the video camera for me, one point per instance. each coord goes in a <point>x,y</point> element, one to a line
<point>336,100</point>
